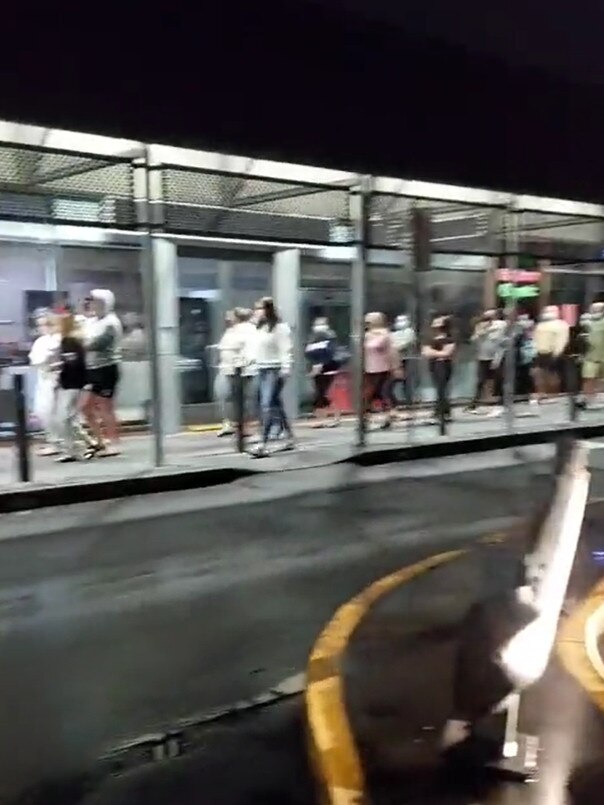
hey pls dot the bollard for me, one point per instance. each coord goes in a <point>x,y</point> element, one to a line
<point>21,435</point>
<point>239,401</point>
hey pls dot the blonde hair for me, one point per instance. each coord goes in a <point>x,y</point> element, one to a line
<point>68,325</point>
<point>376,321</point>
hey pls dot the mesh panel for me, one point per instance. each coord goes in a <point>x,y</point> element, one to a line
<point>454,227</point>
<point>39,185</point>
<point>205,203</point>
<point>560,238</point>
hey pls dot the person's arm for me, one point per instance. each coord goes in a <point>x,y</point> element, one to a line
<point>103,339</point>
<point>447,351</point>
<point>430,352</point>
<point>562,336</point>
<point>286,347</point>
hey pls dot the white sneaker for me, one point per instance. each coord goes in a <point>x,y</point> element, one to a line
<point>495,412</point>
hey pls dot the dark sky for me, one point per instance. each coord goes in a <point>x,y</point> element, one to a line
<point>564,38</point>
<point>432,92</point>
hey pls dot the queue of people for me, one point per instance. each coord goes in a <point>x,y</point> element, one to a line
<point>257,349</point>
<point>77,357</point>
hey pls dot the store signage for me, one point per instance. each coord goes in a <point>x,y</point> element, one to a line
<point>507,290</point>
<point>517,276</point>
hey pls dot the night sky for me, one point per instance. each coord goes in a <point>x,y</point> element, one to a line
<point>476,99</point>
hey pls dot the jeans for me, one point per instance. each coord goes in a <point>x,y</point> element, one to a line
<point>271,405</point>
<point>67,420</point>
<point>222,395</point>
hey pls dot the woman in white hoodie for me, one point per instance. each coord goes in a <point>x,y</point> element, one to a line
<point>103,343</point>
<point>273,357</point>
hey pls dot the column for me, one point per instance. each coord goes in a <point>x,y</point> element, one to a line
<point>286,285</point>
<point>165,322</point>
<point>358,290</point>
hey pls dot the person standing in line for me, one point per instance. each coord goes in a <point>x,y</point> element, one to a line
<point>42,357</point>
<point>274,357</point>
<point>242,359</point>
<point>103,357</point>
<point>593,363</point>
<point>551,339</point>
<point>439,351</point>
<point>489,341</point>
<point>223,392</point>
<point>381,364</point>
<point>71,366</point>
<point>321,354</point>
<point>404,339</point>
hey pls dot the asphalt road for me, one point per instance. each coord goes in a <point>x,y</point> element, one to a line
<point>121,618</point>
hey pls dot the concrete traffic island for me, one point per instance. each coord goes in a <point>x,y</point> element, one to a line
<point>381,681</point>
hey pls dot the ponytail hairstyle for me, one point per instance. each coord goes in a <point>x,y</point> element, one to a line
<point>269,314</point>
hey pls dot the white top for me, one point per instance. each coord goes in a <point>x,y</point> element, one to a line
<point>274,348</point>
<point>43,351</point>
<point>237,350</point>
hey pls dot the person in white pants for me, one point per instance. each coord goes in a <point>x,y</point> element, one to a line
<point>42,356</point>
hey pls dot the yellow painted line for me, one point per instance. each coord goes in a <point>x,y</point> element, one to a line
<point>572,648</point>
<point>332,749</point>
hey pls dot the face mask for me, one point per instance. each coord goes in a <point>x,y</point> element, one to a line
<point>320,328</point>
<point>596,315</point>
<point>548,315</point>
<point>401,323</point>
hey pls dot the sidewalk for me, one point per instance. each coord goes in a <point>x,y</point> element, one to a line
<point>398,681</point>
<point>201,459</point>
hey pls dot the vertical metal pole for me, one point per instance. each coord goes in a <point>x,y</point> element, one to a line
<point>150,298</point>
<point>239,401</point>
<point>21,434</point>
<point>361,197</point>
<point>511,263</point>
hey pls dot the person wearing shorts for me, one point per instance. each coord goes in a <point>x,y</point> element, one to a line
<point>593,363</point>
<point>103,356</point>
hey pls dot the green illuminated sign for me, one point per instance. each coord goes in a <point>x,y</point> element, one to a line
<point>507,290</point>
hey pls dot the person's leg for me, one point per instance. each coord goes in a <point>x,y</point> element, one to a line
<point>279,408</point>
<point>268,379</point>
<point>482,373</point>
<point>447,375</point>
<point>590,373</point>
<point>384,394</point>
<point>221,395</point>
<point>68,406</point>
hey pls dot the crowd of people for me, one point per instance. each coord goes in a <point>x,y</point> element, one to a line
<point>77,356</point>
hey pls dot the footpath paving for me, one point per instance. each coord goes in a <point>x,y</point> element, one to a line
<point>190,456</point>
<point>398,682</point>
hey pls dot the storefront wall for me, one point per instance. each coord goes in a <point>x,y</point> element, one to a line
<point>221,232</point>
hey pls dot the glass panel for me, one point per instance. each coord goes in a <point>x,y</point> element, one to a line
<point>563,251</point>
<point>199,312</point>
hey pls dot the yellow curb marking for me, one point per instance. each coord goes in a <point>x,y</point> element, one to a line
<point>332,748</point>
<point>572,650</point>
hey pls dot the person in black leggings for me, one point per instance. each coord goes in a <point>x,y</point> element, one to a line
<point>439,351</point>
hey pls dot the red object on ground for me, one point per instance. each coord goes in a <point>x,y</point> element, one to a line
<point>340,392</point>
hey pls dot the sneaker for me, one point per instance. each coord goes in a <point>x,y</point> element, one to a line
<point>289,445</point>
<point>495,412</point>
<point>66,459</point>
<point>225,430</point>
<point>92,451</point>
<point>259,451</point>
